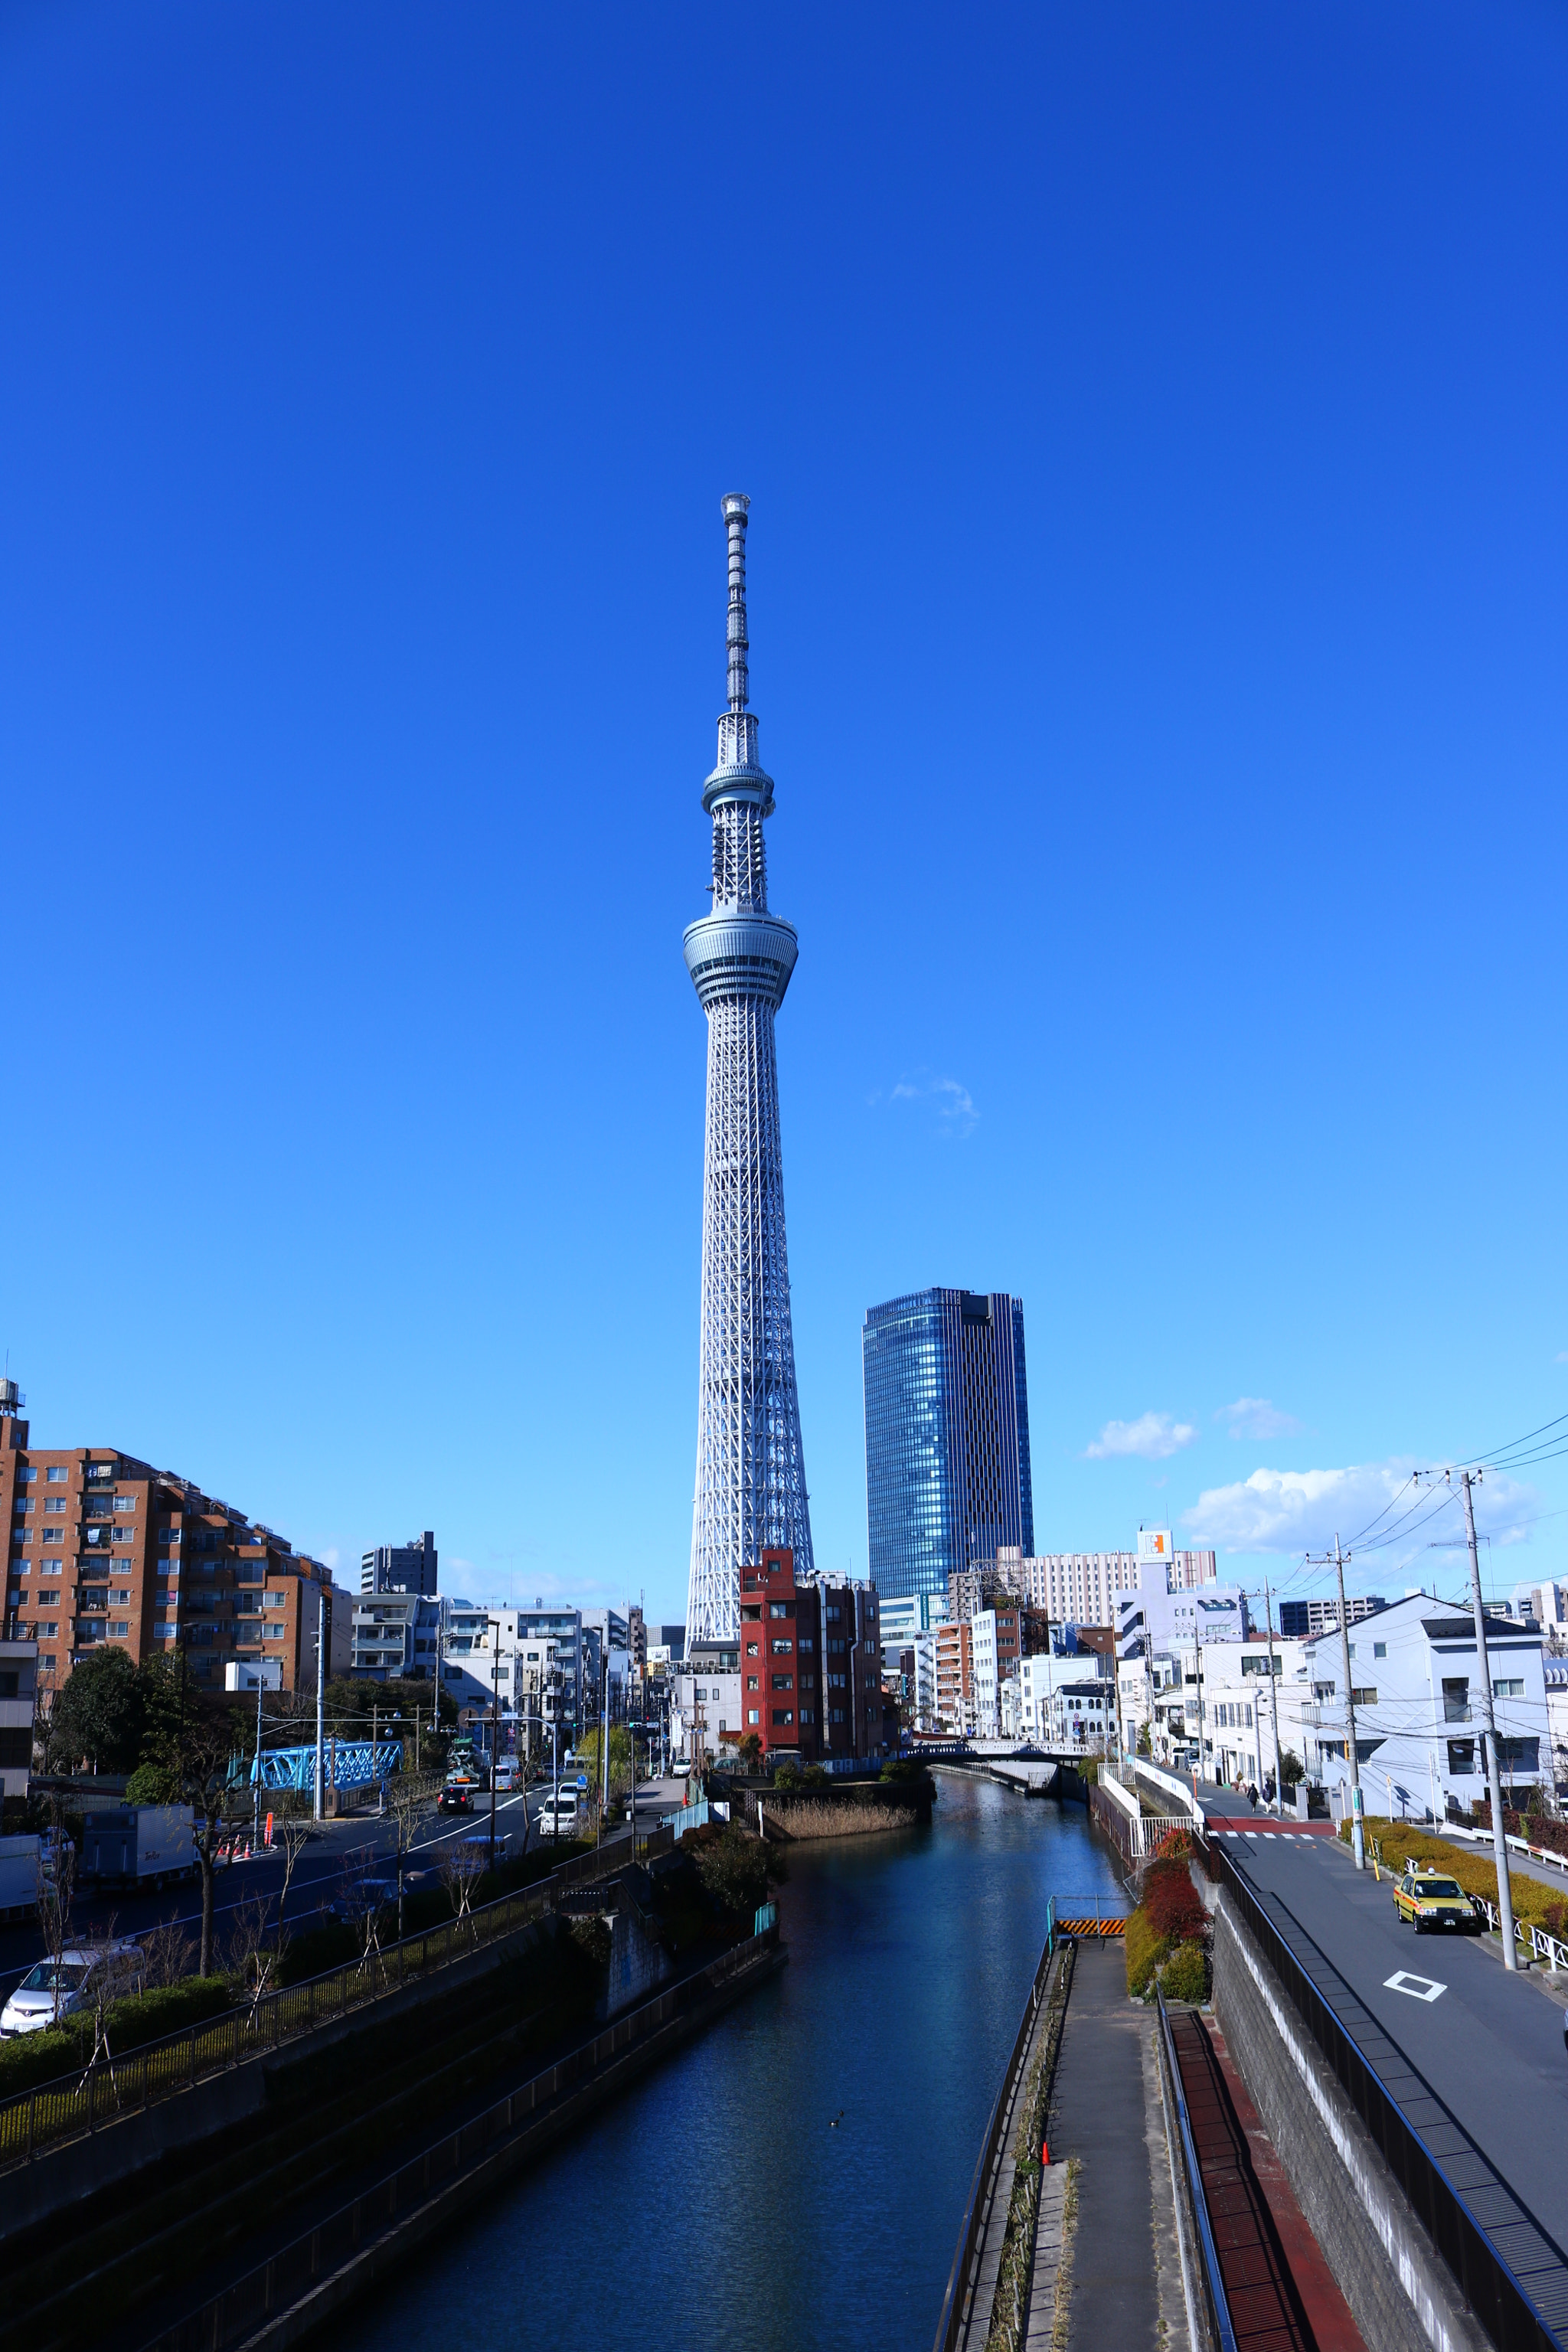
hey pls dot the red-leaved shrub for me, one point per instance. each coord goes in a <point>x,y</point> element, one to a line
<point>1171,1904</point>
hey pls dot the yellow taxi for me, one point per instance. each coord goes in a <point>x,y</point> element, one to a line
<point>1428,1900</point>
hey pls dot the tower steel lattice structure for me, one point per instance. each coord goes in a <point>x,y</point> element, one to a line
<point>751,1474</point>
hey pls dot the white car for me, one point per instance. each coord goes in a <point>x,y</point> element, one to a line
<point>508,1775</point>
<point>47,1993</point>
<point>558,1815</point>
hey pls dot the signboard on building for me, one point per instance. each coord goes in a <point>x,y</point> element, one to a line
<point>1155,1543</point>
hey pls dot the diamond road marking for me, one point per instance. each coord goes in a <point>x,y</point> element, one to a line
<point>1418,1988</point>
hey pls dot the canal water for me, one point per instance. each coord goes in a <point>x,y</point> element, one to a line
<point>794,2178</point>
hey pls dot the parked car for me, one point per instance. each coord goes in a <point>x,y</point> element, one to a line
<point>46,1992</point>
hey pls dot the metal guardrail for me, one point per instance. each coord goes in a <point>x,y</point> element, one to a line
<point>32,2122</point>
<point>1214,2280</point>
<point>961,2279</point>
<point>1497,2295</point>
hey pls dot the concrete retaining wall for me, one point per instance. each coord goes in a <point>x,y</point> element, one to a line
<point>1401,2294</point>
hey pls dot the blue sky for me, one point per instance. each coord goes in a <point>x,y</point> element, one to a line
<point>1153,421</point>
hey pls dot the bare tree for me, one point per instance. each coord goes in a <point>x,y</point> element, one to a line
<point>359,1901</point>
<point>408,1810</point>
<point>462,1867</point>
<point>166,1953</point>
<point>56,1890</point>
<point>115,1973</point>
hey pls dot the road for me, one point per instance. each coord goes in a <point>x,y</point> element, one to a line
<point>318,1875</point>
<point>1490,2045</point>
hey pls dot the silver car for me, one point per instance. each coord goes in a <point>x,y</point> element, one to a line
<point>48,1993</point>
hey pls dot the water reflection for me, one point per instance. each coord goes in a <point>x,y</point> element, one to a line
<point>720,2201</point>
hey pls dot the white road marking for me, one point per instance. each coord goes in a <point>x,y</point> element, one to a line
<point>1418,1988</point>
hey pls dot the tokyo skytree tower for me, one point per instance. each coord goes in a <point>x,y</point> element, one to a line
<point>750,1477</point>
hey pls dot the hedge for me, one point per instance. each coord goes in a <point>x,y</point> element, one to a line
<point>35,2058</point>
<point>1185,1975</point>
<point>1398,1842</point>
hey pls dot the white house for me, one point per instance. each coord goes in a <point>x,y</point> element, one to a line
<point>1419,1722</point>
<point>1556,1674</point>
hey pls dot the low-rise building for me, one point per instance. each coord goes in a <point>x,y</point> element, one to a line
<point>1420,1724</point>
<point>1554,1672</point>
<point>811,1663</point>
<point>396,1634</point>
<point>1082,1715</point>
<point>705,1698</point>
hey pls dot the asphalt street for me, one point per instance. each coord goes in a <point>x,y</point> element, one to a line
<point>1488,2043</point>
<point>318,1875</point>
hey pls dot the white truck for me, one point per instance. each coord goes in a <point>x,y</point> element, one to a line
<point>21,1860</point>
<point>138,1845</point>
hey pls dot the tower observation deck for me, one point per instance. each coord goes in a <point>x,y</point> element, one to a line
<point>751,1475</point>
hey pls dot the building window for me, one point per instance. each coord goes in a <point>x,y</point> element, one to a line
<point>778,1609</point>
<point>56,1478</point>
<point>1461,1758</point>
<point>753,1715</point>
<point>1507,1688</point>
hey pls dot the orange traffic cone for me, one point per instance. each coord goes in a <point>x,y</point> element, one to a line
<point>1045,2151</point>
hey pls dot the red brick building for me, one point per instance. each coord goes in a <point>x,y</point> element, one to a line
<point>105,1550</point>
<point>811,1663</point>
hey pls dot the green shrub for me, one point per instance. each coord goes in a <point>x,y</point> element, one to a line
<point>152,1784</point>
<point>1145,1950</point>
<point>167,2008</point>
<point>817,1776</point>
<point>1184,1976</point>
<point>35,2058</point>
<point>786,1777</point>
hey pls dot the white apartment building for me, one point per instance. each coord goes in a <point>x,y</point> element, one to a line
<point>992,1661</point>
<point>1039,1679</point>
<point>1149,1622</point>
<point>1419,1722</point>
<point>1083,1714</point>
<point>1547,1602</point>
<point>1555,1671</point>
<point>705,1698</point>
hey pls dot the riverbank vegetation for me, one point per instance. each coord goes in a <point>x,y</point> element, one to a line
<point>812,1818</point>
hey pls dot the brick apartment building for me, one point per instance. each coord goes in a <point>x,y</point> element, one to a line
<point>105,1550</point>
<point>811,1663</point>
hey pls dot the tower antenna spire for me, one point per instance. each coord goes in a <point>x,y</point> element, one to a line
<point>735,509</point>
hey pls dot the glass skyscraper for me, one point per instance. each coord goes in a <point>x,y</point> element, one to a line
<point>947,1436</point>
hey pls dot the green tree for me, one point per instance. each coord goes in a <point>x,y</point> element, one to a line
<point>97,1719</point>
<point>1292,1769</point>
<point>736,1868</point>
<point>587,1755</point>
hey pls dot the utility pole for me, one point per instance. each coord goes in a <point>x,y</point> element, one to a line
<point>1274,1705</point>
<point>255,1775</point>
<point>494,1726</point>
<point>1494,1777</point>
<point>324,1634</point>
<point>1358,1835</point>
<point>374,1727</point>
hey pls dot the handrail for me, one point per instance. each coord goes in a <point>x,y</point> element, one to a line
<point>31,2122</point>
<point>1214,2281</point>
<point>1490,2285</point>
<point>950,2323</point>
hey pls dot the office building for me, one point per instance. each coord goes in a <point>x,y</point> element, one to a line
<point>401,1567</point>
<point>947,1437</point>
<point>105,1550</point>
<point>751,1472</point>
<point>1303,1620</point>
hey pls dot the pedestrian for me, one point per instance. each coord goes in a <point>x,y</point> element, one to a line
<point>1252,1794</point>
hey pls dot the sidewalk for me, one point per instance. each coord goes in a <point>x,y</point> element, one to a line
<point>1100,2116</point>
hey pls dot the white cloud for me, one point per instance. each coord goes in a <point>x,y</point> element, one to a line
<point>1561,1357</point>
<point>1303,1510</point>
<point>1256,1417</point>
<point>1153,1437</point>
<point>952,1101</point>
